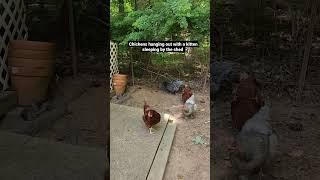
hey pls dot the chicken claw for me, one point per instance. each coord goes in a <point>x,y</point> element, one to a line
<point>150,131</point>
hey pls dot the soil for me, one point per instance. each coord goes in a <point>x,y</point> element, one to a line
<point>299,153</point>
<point>299,157</point>
<point>85,120</point>
<point>187,161</point>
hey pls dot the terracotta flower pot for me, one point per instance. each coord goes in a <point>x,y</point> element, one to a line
<point>31,66</point>
<point>119,82</point>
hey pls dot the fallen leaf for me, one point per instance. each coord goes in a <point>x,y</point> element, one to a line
<point>180,177</point>
<point>296,153</point>
<point>228,163</point>
<point>198,140</point>
<point>295,126</point>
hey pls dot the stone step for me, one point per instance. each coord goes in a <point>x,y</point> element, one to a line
<point>8,100</point>
<point>28,158</point>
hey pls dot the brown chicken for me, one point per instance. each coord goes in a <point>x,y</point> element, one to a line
<point>186,94</point>
<point>150,117</point>
<point>247,101</point>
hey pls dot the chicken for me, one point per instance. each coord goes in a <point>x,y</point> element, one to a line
<point>186,93</point>
<point>150,117</point>
<point>247,100</point>
<point>224,73</point>
<point>172,86</point>
<point>190,107</point>
<point>257,145</point>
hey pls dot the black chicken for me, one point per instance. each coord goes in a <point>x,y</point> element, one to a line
<point>172,86</point>
<point>222,74</point>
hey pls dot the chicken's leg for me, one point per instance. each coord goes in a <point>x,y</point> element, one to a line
<point>150,130</point>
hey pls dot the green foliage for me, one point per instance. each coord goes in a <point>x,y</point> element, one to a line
<point>198,140</point>
<point>89,26</point>
<point>162,20</point>
<point>48,21</point>
<point>166,60</point>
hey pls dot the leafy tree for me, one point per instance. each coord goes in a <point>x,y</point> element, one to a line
<point>161,20</point>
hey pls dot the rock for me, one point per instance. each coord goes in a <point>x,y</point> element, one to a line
<point>295,126</point>
<point>228,163</point>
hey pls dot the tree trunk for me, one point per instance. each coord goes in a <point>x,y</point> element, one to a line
<point>135,5</point>
<point>121,6</point>
<point>221,45</point>
<point>307,52</point>
<point>72,38</point>
<point>141,4</point>
<point>101,13</point>
<point>131,64</point>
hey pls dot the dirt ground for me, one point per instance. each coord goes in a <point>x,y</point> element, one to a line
<point>187,161</point>
<point>299,157</point>
<point>86,112</point>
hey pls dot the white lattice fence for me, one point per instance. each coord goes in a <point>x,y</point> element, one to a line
<point>12,27</point>
<point>113,61</point>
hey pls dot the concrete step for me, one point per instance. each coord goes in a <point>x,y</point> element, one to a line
<point>8,100</point>
<point>28,158</point>
<point>134,152</point>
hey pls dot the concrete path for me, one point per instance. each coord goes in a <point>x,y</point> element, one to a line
<point>133,149</point>
<point>28,158</point>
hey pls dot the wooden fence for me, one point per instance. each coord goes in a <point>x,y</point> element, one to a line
<point>113,61</point>
<point>12,27</point>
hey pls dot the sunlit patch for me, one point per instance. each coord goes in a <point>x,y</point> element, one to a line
<point>177,107</point>
<point>176,118</point>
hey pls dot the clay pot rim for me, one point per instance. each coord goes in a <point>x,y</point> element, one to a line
<point>119,84</point>
<point>120,75</point>
<point>13,42</point>
<point>120,78</point>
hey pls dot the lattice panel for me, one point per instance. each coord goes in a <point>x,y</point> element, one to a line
<point>12,27</point>
<point>113,61</point>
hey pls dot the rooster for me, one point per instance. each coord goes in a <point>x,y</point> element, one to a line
<point>150,117</point>
<point>186,93</point>
<point>247,100</point>
<point>190,107</point>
